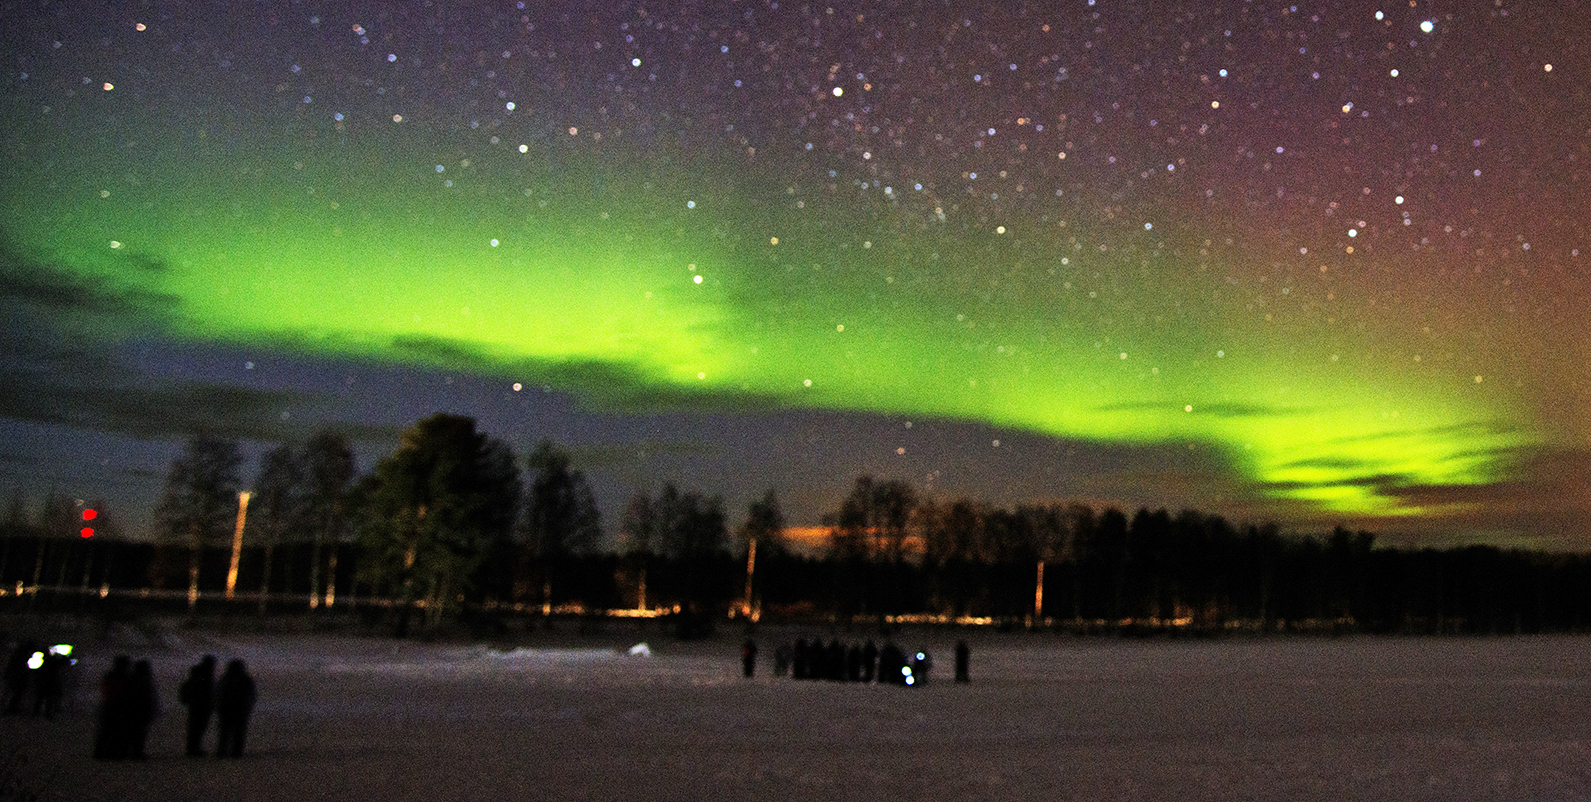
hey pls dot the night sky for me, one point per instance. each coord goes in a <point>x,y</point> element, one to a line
<point>1315,264</point>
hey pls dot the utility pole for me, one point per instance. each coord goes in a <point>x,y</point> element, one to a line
<point>237,543</point>
<point>751,573</point>
<point>1038,597</point>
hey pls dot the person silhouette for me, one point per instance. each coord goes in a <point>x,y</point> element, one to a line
<point>110,734</point>
<point>143,705</point>
<point>18,674</point>
<point>197,692</point>
<point>748,657</point>
<point>963,662</point>
<point>235,696</point>
<point>50,685</point>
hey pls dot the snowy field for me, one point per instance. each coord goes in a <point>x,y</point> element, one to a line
<point>1044,719</point>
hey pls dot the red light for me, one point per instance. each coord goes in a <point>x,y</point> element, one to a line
<point>89,514</point>
<point>88,531</point>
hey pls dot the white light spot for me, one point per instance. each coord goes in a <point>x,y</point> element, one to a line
<point>1188,408</point>
<point>701,375</point>
<point>1353,232</point>
<point>806,382</point>
<point>1398,199</point>
<point>635,62</point>
<point>509,105</point>
<point>1149,226</point>
<point>518,387</point>
<point>1123,355</point>
<point>1547,67</point>
<point>690,204</point>
<point>697,279</point>
<point>107,86</point>
<point>839,327</point>
<point>392,57</point>
<point>999,229</point>
<point>1427,26</point>
<point>838,91</point>
<point>524,148</point>
<point>996,444</point>
<point>115,244</point>
<point>494,242</point>
<point>1393,73</point>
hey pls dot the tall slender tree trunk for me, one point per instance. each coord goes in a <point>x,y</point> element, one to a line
<point>195,550</point>
<point>265,577</point>
<point>331,575</point>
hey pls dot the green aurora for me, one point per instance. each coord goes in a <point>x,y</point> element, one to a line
<point>730,284</point>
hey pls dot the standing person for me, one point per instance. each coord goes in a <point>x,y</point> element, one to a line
<point>110,735</point>
<point>748,657</point>
<point>50,684</point>
<point>142,707</point>
<point>853,663</point>
<point>234,701</point>
<point>869,660</point>
<point>963,662</point>
<point>17,674</point>
<point>198,693</point>
<point>781,660</point>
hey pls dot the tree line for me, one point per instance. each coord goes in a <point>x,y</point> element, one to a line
<point>454,524</point>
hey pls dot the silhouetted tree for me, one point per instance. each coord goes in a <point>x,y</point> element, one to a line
<point>278,504</point>
<point>639,534</point>
<point>432,508</point>
<point>561,518</point>
<point>329,470</point>
<point>765,524</point>
<point>693,535</point>
<point>761,539</point>
<point>199,504</point>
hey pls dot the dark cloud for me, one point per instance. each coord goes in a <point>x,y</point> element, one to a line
<point>135,406</point>
<point>441,351</point>
<point>29,287</point>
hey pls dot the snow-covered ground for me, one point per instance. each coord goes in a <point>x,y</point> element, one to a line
<point>1044,719</point>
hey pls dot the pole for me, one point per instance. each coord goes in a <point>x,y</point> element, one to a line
<point>237,544</point>
<point>751,573</point>
<point>1038,597</point>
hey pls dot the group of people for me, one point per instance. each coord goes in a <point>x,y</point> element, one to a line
<point>39,672</point>
<point>866,662</point>
<point>129,704</point>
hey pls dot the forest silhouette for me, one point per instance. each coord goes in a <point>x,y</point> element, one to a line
<point>452,526</point>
